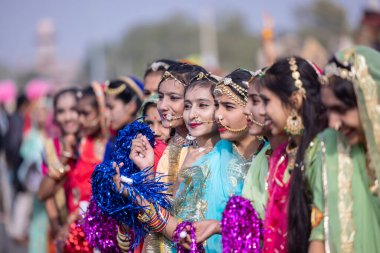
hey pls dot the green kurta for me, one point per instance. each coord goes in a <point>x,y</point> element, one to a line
<point>352,210</point>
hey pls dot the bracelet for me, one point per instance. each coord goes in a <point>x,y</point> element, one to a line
<point>181,231</point>
<point>156,221</point>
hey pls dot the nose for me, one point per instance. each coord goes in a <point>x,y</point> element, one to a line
<point>334,120</point>
<point>156,129</point>
<point>246,110</point>
<point>162,105</point>
<point>193,113</point>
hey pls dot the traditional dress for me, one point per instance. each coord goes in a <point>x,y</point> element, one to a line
<point>208,184</point>
<point>346,214</point>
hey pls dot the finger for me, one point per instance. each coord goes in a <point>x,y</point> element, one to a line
<point>114,165</point>
<point>139,151</point>
<point>147,144</point>
<point>138,145</point>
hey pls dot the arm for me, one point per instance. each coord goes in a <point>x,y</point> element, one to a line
<point>316,247</point>
<point>49,187</point>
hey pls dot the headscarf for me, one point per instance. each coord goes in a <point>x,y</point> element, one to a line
<point>153,99</point>
<point>365,76</point>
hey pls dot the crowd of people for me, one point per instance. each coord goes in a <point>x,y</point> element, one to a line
<point>285,158</point>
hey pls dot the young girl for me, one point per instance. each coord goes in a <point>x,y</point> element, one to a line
<point>60,156</point>
<point>170,106</point>
<point>346,214</point>
<point>91,108</point>
<point>290,90</point>
<point>254,185</point>
<point>123,99</point>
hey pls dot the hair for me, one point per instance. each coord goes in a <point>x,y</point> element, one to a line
<point>343,89</point>
<point>206,81</point>
<point>147,106</point>
<point>278,79</point>
<point>128,94</point>
<point>89,93</point>
<point>241,77</point>
<point>75,92</point>
<point>184,72</point>
<point>162,64</point>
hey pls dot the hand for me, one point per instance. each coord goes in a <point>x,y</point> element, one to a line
<point>117,180</point>
<point>193,155</point>
<point>203,230</point>
<point>142,153</point>
<point>62,235</point>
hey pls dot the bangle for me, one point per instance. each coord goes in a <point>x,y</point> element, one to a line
<point>156,221</point>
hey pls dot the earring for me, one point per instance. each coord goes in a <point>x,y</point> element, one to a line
<point>294,124</point>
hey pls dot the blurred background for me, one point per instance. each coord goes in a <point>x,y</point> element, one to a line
<point>73,42</point>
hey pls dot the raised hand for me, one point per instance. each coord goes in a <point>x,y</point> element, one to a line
<point>142,153</point>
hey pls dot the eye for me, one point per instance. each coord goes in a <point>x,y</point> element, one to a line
<point>147,93</point>
<point>187,106</point>
<point>174,98</point>
<point>203,105</point>
<point>255,101</point>
<point>160,96</point>
<point>149,122</point>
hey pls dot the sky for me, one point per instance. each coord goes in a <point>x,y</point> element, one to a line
<point>82,23</point>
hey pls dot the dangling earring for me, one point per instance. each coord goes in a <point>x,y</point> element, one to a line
<point>294,124</point>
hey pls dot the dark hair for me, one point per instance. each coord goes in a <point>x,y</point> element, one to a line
<point>75,92</point>
<point>202,79</point>
<point>343,89</point>
<point>128,94</point>
<point>159,66</point>
<point>88,92</point>
<point>241,77</point>
<point>278,78</point>
<point>147,106</point>
<point>184,72</point>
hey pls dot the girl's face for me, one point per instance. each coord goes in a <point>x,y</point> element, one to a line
<point>199,112</point>
<point>171,103</point>
<point>119,112</point>
<point>276,113</point>
<point>255,112</point>
<point>230,115</point>
<point>89,117</point>
<point>151,82</point>
<point>66,114</point>
<point>343,118</point>
<point>153,120</point>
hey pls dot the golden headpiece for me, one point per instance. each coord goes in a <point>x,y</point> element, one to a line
<point>167,75</point>
<point>201,75</point>
<point>127,81</point>
<point>223,88</point>
<point>296,76</point>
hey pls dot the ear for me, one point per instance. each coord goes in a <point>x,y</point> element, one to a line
<point>296,100</point>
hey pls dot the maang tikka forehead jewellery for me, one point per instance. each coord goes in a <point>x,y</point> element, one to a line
<point>294,124</point>
<point>225,86</point>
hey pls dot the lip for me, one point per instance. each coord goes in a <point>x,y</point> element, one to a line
<point>348,132</point>
<point>194,125</point>
<point>221,129</point>
<point>269,124</point>
<point>249,123</point>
